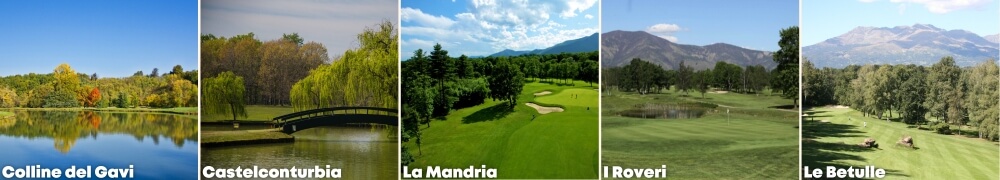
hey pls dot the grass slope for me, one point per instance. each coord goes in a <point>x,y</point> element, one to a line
<point>936,156</point>
<point>757,142</point>
<point>555,145</point>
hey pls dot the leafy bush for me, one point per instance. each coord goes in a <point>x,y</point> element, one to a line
<point>940,128</point>
<point>61,99</point>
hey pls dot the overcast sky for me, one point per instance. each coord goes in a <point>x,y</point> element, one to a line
<point>334,23</point>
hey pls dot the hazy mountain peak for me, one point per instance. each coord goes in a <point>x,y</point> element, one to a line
<point>583,44</point>
<point>917,44</point>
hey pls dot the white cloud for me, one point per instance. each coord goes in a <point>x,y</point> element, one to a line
<point>902,9</point>
<point>664,31</point>
<point>670,38</point>
<point>663,28</point>
<point>946,6</point>
<point>574,6</point>
<point>489,26</point>
<point>415,15</point>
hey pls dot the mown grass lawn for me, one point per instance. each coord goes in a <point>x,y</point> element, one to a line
<point>254,113</point>
<point>833,134</point>
<point>519,143</point>
<point>754,141</point>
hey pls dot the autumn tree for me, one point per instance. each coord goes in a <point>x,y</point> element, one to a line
<point>93,97</point>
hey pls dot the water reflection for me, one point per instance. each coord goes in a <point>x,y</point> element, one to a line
<point>361,151</point>
<point>62,139</point>
<point>665,111</point>
<point>65,128</point>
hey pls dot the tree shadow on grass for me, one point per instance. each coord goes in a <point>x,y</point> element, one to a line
<point>786,107</point>
<point>818,129</point>
<point>817,154</point>
<point>494,112</point>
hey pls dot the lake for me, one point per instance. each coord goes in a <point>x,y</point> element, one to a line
<point>360,151</point>
<point>160,146</point>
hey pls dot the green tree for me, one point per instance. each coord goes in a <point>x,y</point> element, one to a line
<point>684,78</point>
<point>984,112</point>
<point>293,38</point>
<point>506,82</point>
<point>945,92</point>
<point>224,95</point>
<point>787,72</point>
<point>177,69</point>
<point>910,94</point>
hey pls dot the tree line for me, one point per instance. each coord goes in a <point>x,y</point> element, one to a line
<point>940,95</point>
<point>435,83</point>
<point>269,68</point>
<point>64,88</point>
<point>644,77</point>
<point>289,72</point>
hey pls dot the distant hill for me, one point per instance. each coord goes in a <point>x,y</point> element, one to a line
<point>619,47</point>
<point>584,44</point>
<point>920,44</point>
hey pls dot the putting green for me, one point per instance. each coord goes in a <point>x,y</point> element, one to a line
<point>520,143</point>
<point>936,156</point>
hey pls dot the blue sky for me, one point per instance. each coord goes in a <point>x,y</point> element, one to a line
<point>752,24</point>
<point>824,19</point>
<point>110,38</point>
<point>334,23</point>
<point>480,28</point>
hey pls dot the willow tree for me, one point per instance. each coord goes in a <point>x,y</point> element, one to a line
<point>364,76</point>
<point>224,95</point>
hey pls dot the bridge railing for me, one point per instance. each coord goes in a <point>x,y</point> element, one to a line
<point>333,111</point>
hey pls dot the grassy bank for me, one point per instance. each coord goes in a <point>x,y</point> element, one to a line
<point>832,136</point>
<point>520,143</point>
<point>753,141</point>
<point>254,113</point>
<point>227,138</point>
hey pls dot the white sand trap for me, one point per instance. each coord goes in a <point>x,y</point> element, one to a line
<point>718,92</point>
<point>543,93</point>
<point>840,107</point>
<point>543,109</point>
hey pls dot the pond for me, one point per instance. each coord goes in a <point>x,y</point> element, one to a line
<point>360,151</point>
<point>159,146</point>
<point>664,111</point>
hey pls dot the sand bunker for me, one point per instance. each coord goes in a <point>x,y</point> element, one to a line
<point>543,93</point>
<point>543,109</point>
<point>840,107</point>
<point>718,92</point>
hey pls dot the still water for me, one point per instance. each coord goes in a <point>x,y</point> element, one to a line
<point>159,146</point>
<point>361,152</point>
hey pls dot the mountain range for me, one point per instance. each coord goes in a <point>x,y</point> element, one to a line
<point>584,44</point>
<point>921,44</point>
<point>618,48</point>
